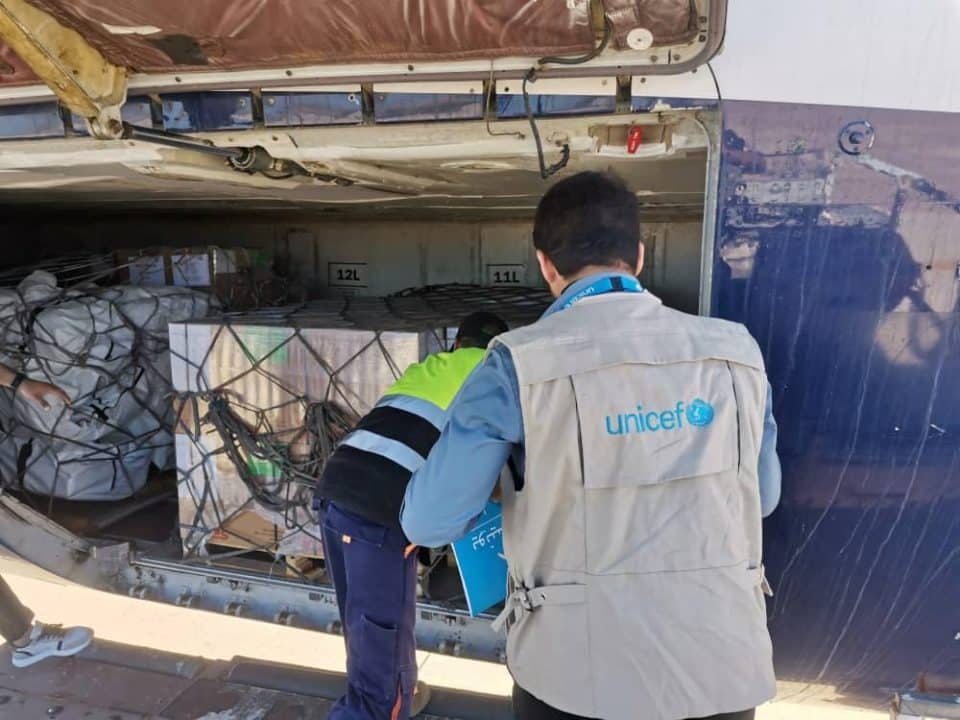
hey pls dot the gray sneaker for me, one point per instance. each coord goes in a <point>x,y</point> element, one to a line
<point>51,641</point>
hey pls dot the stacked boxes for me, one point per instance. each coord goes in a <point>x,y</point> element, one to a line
<point>238,277</point>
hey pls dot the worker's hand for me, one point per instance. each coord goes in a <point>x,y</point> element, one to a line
<point>408,551</point>
<point>497,494</point>
<point>37,392</point>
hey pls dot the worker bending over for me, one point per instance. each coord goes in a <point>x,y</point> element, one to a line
<point>647,448</point>
<point>359,495</point>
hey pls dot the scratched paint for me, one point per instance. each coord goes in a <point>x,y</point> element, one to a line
<point>845,270</point>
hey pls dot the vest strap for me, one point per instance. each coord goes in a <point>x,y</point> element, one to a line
<point>526,600</point>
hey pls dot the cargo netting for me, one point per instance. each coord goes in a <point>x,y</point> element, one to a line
<point>264,397</point>
<point>69,270</point>
<point>107,348</point>
<point>243,407</point>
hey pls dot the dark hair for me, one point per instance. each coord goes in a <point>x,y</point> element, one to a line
<point>478,329</point>
<point>591,218</point>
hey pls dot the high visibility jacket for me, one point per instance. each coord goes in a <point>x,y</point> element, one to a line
<point>368,473</point>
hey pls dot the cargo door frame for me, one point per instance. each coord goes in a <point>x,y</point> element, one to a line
<point>711,121</point>
<point>118,568</point>
<point>711,22</point>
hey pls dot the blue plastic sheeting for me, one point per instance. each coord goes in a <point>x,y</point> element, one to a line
<point>647,104</point>
<point>191,112</point>
<point>412,107</point>
<point>135,111</point>
<point>844,268</point>
<point>305,109</point>
<point>36,120</point>
<point>511,106</point>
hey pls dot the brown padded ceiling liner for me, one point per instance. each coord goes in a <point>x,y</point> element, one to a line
<point>243,34</point>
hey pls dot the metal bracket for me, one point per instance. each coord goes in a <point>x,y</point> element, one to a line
<point>41,541</point>
<point>81,77</point>
<point>250,160</point>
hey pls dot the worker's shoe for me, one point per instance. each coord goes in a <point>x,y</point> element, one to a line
<point>421,698</point>
<point>45,641</point>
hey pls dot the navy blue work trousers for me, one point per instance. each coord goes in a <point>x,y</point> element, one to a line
<point>377,595</point>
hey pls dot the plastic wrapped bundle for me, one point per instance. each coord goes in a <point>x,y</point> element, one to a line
<point>107,348</point>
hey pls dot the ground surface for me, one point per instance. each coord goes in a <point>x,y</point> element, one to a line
<point>159,661</point>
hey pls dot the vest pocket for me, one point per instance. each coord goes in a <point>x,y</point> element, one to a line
<point>661,453</point>
<point>646,425</point>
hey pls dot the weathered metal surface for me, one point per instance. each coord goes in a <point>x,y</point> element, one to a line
<point>179,34</point>
<point>246,594</point>
<point>117,682</point>
<point>84,681</point>
<point>62,59</point>
<point>181,45</point>
<point>844,267</point>
<point>27,533</point>
<point>17,706</point>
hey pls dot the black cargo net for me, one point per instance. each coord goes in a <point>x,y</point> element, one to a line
<point>69,270</point>
<point>518,305</point>
<point>244,407</point>
<point>265,397</point>
<point>107,348</point>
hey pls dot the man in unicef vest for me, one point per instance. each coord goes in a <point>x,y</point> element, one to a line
<point>648,458</point>
<point>370,561</point>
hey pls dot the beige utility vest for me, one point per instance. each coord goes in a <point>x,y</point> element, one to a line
<point>635,544</point>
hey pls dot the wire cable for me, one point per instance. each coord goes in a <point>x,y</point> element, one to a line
<point>325,422</point>
<point>546,171</point>
<point>716,83</point>
<point>604,41</point>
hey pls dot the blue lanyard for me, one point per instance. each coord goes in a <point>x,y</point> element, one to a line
<point>616,283</point>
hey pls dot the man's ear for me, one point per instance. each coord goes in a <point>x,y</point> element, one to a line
<point>640,258</point>
<point>547,269</point>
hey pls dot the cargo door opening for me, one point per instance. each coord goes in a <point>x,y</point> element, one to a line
<point>274,301</point>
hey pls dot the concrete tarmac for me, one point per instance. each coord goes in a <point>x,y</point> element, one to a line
<point>129,632</point>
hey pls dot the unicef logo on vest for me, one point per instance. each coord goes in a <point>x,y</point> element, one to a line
<point>698,414</point>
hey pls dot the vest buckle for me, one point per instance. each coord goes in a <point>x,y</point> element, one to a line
<point>523,599</point>
<point>517,605</point>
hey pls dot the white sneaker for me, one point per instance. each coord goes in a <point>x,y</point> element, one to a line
<point>51,641</point>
